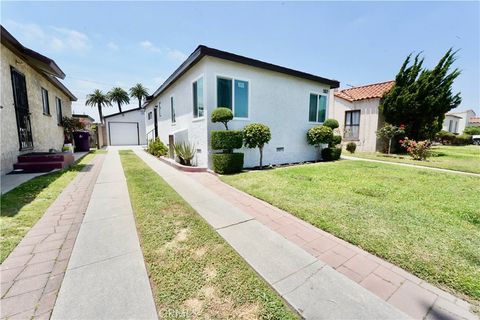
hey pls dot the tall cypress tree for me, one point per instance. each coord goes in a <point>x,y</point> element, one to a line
<point>421,97</point>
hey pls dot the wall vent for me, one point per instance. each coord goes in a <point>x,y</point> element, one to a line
<point>280,149</point>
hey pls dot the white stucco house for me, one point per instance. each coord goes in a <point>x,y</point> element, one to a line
<point>357,112</point>
<point>126,128</point>
<point>456,122</point>
<point>289,101</point>
<point>33,102</point>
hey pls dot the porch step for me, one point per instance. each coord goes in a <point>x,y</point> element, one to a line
<point>39,166</point>
<point>46,157</point>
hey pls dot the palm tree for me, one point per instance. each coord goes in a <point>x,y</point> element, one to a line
<point>99,99</point>
<point>119,96</point>
<point>139,91</point>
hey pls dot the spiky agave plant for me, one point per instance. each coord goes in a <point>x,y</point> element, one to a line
<point>185,151</point>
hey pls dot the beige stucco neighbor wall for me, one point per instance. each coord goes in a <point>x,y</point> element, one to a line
<point>47,134</point>
<point>369,121</point>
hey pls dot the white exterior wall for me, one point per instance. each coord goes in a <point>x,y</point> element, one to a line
<point>369,113</point>
<point>46,133</point>
<point>278,100</point>
<point>454,128</point>
<point>186,127</point>
<point>137,116</point>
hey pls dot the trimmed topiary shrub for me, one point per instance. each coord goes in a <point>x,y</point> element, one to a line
<point>462,140</point>
<point>331,154</point>
<point>226,139</point>
<point>351,147</point>
<point>256,135</point>
<point>227,163</point>
<point>157,148</point>
<point>222,115</point>
<point>336,140</point>
<point>319,135</point>
<point>331,123</point>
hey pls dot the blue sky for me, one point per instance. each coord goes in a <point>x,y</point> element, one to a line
<point>102,44</point>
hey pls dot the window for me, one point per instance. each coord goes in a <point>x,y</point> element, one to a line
<point>172,110</point>
<point>198,98</point>
<point>352,125</point>
<point>150,115</point>
<point>233,94</point>
<point>318,108</point>
<point>58,105</point>
<point>45,102</point>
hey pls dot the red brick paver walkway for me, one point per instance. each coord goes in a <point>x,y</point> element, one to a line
<point>405,291</point>
<point>32,274</point>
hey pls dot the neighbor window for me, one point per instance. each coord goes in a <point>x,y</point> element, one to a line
<point>150,115</point>
<point>352,125</point>
<point>45,102</point>
<point>233,94</point>
<point>58,106</point>
<point>172,110</point>
<point>198,98</point>
<point>318,108</point>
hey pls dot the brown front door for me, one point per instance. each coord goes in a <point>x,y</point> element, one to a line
<point>22,112</point>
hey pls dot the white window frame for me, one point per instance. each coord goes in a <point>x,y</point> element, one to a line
<point>318,105</point>
<point>203,95</point>
<point>173,119</point>
<point>233,94</point>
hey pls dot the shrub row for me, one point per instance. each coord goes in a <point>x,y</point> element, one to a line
<point>226,139</point>
<point>331,153</point>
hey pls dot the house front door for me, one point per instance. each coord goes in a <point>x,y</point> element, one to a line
<point>22,112</point>
<point>155,121</point>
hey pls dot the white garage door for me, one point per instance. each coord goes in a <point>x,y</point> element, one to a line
<point>123,133</point>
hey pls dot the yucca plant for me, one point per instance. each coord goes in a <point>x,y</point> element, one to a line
<point>185,151</point>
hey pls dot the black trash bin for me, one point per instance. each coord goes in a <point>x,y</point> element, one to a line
<point>82,140</point>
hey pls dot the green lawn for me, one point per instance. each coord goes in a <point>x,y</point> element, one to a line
<point>24,205</point>
<point>461,158</point>
<point>424,221</point>
<point>194,273</point>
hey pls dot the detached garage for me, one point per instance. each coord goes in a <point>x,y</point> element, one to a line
<point>126,128</point>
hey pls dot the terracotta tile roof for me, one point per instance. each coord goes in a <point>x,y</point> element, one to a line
<point>474,120</point>
<point>370,91</point>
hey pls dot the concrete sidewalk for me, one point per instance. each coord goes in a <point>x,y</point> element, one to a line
<point>313,288</point>
<point>106,276</point>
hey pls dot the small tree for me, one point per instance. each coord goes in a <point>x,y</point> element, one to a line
<point>222,115</point>
<point>389,132</point>
<point>70,125</point>
<point>256,135</point>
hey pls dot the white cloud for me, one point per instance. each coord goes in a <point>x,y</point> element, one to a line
<point>113,46</point>
<point>147,45</point>
<point>176,55</point>
<point>51,38</point>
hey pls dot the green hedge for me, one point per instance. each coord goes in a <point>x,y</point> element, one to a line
<point>462,140</point>
<point>226,163</point>
<point>226,139</point>
<point>330,154</point>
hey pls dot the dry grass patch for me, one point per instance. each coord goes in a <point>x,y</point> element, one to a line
<point>195,274</point>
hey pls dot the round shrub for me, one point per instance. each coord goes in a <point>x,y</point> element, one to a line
<point>319,135</point>
<point>351,147</point>
<point>222,115</point>
<point>330,154</point>
<point>157,148</point>
<point>226,139</point>
<point>336,140</point>
<point>462,140</point>
<point>331,123</point>
<point>226,163</point>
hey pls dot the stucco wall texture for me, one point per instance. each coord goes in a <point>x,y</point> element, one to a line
<point>278,100</point>
<point>47,134</point>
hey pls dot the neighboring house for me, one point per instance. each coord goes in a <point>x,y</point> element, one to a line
<point>126,128</point>
<point>357,112</point>
<point>474,121</point>
<point>463,119</point>
<point>450,123</point>
<point>288,101</point>
<point>33,102</point>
